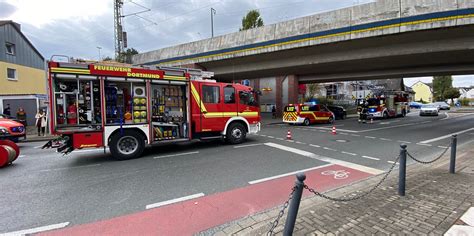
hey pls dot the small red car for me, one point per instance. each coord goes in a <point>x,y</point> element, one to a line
<point>11,130</point>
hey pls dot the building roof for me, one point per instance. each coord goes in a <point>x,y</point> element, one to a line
<point>18,28</point>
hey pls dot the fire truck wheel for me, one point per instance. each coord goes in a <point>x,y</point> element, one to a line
<point>127,146</point>
<point>306,122</point>
<point>235,133</point>
<point>331,120</point>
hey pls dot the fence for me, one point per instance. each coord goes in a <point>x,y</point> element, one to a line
<point>296,193</point>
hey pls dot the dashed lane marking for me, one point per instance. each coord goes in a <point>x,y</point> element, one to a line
<point>37,230</point>
<point>424,144</point>
<point>401,141</point>
<point>349,153</point>
<point>391,162</point>
<point>385,139</point>
<point>344,133</point>
<point>330,149</point>
<point>181,199</point>
<point>366,169</point>
<point>263,135</point>
<point>314,145</point>
<point>371,137</point>
<point>287,174</point>
<point>355,135</point>
<point>248,145</point>
<point>177,154</point>
<point>280,139</point>
<point>270,137</point>
<point>371,158</point>
<point>442,147</point>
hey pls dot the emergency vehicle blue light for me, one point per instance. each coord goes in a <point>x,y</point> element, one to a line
<point>372,110</point>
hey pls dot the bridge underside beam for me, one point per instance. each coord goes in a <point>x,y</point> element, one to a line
<point>419,53</point>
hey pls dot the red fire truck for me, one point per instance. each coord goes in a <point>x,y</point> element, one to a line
<point>126,108</point>
<point>388,104</point>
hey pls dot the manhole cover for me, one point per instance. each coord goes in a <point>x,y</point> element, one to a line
<point>342,140</point>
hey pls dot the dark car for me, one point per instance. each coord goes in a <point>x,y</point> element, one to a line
<point>442,105</point>
<point>339,112</point>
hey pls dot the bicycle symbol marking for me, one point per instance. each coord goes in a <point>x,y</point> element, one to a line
<point>338,174</point>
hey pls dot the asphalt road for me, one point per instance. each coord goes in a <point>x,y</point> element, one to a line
<point>43,188</point>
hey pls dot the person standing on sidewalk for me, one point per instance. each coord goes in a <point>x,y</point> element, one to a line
<point>7,111</point>
<point>41,122</point>
<point>21,116</point>
<point>274,112</point>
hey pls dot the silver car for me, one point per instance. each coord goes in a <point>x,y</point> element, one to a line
<point>429,110</point>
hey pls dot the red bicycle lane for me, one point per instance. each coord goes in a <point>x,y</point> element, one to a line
<point>196,215</point>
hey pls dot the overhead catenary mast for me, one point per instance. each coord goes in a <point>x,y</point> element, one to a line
<point>118,29</point>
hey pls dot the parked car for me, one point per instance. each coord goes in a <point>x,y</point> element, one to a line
<point>429,109</point>
<point>442,105</point>
<point>415,105</point>
<point>10,129</point>
<point>339,112</point>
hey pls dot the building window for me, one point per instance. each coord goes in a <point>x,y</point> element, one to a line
<point>11,74</point>
<point>10,48</point>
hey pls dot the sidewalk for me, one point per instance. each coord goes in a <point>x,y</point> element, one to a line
<point>434,201</point>
<point>32,135</point>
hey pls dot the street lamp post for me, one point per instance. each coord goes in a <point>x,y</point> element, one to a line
<point>213,12</point>
<point>99,52</point>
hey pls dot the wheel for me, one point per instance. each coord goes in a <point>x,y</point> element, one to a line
<point>306,122</point>
<point>385,115</point>
<point>235,133</point>
<point>331,120</point>
<point>127,146</point>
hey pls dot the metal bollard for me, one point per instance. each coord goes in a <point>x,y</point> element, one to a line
<point>294,205</point>
<point>402,171</point>
<point>452,163</point>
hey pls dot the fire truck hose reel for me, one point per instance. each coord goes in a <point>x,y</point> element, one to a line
<point>7,155</point>
<point>12,145</point>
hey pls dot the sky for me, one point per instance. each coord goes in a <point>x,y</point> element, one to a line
<point>80,28</point>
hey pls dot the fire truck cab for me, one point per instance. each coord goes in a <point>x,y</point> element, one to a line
<point>126,108</point>
<point>388,104</point>
<point>307,113</point>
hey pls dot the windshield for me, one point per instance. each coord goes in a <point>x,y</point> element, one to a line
<point>429,106</point>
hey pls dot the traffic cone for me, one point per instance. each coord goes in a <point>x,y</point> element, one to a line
<point>334,130</point>
<point>288,135</point>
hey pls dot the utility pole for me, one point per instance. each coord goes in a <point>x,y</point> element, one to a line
<point>213,12</point>
<point>118,28</point>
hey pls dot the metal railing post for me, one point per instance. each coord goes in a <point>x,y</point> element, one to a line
<point>452,163</point>
<point>294,205</point>
<point>402,170</point>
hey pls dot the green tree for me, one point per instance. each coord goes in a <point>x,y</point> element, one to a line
<point>452,93</point>
<point>126,57</point>
<point>107,59</point>
<point>251,20</point>
<point>441,84</point>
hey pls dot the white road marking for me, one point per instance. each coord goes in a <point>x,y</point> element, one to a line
<point>69,168</point>
<point>37,230</point>
<point>330,149</point>
<point>38,146</point>
<point>248,145</point>
<point>263,135</point>
<point>355,135</point>
<point>270,137</point>
<point>401,141</point>
<point>287,174</point>
<point>391,162</point>
<point>370,137</point>
<point>371,158</point>
<point>291,141</point>
<point>280,139</point>
<point>344,133</point>
<point>442,147</point>
<point>447,116</point>
<point>177,154</point>
<point>326,159</point>
<point>21,156</point>
<point>385,139</point>
<point>299,142</point>
<point>393,126</point>
<point>446,136</point>
<point>330,129</point>
<point>349,153</point>
<point>314,145</point>
<point>158,204</point>
<point>424,144</point>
